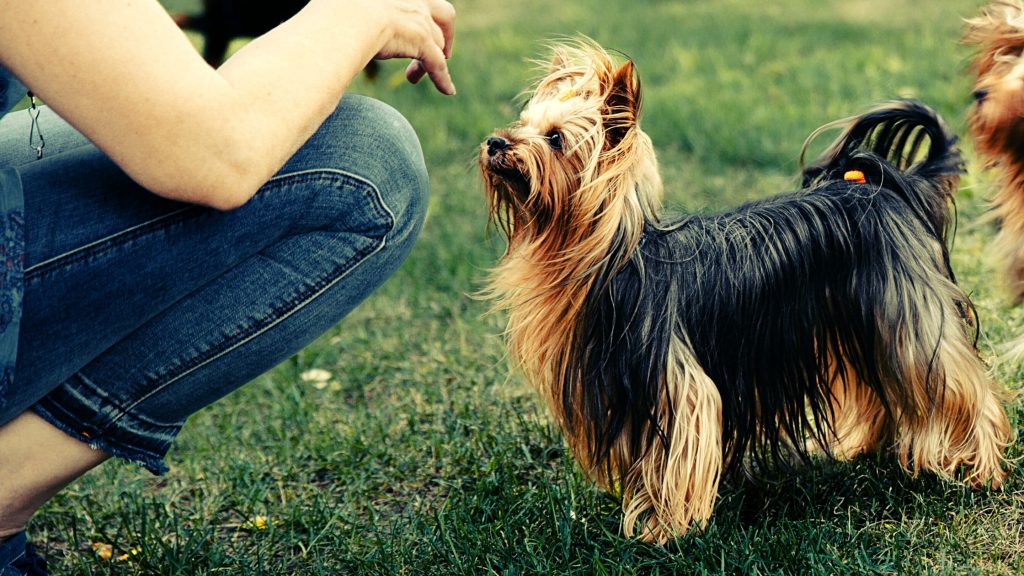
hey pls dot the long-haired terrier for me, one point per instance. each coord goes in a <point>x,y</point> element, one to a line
<point>996,123</point>
<point>675,353</point>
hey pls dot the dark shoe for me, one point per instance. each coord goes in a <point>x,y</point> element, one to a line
<point>19,558</point>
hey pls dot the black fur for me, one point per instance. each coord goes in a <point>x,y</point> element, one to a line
<point>761,291</point>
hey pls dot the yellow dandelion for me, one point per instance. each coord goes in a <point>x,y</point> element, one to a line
<point>128,554</point>
<point>258,522</point>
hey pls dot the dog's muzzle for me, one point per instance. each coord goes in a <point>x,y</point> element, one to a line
<point>496,144</point>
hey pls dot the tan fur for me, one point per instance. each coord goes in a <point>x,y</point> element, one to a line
<point>860,423</point>
<point>667,493</point>
<point>960,427</point>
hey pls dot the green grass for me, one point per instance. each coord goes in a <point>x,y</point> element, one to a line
<point>423,455</point>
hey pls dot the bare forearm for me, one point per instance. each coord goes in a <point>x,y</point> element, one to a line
<point>123,74</point>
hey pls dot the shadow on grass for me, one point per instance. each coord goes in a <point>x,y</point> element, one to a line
<point>861,517</point>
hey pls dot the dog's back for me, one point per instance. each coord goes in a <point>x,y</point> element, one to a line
<point>781,298</point>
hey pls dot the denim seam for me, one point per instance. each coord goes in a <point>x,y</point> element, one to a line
<point>93,397</point>
<point>345,175</point>
<point>319,171</point>
<point>337,179</point>
<point>103,244</point>
<point>301,302</point>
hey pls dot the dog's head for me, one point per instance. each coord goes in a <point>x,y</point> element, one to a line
<point>997,115</point>
<point>576,163</point>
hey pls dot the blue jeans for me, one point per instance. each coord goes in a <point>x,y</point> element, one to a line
<point>139,311</point>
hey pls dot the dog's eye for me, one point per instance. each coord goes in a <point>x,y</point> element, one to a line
<point>555,139</point>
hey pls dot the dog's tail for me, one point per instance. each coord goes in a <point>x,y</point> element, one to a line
<point>903,146</point>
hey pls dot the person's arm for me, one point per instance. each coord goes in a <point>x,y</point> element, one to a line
<point>124,75</point>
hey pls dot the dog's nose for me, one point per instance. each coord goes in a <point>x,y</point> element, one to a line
<point>496,144</point>
<point>980,94</point>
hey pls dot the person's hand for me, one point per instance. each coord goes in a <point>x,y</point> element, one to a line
<point>422,30</point>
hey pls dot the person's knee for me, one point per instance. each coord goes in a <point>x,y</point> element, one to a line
<point>392,160</point>
<point>407,186</point>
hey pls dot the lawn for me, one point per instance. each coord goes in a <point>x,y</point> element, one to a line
<point>400,443</point>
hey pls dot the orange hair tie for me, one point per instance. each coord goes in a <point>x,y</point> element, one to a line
<point>855,176</point>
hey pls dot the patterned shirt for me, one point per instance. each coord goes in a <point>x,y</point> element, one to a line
<point>12,246</point>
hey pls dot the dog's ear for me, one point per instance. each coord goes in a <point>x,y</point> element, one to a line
<point>622,103</point>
